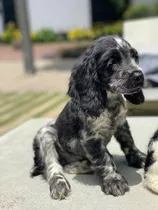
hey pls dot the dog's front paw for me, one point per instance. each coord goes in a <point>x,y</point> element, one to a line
<point>136,159</point>
<point>115,185</point>
<point>59,187</point>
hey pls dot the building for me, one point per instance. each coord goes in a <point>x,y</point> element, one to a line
<point>61,15</point>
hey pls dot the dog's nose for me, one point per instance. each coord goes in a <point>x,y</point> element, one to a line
<point>138,77</point>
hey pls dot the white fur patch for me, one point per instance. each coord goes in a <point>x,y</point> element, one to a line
<point>102,121</point>
<point>106,123</point>
<point>119,41</point>
<point>151,180</point>
<point>134,63</point>
<point>120,118</point>
<point>47,136</point>
<point>101,126</point>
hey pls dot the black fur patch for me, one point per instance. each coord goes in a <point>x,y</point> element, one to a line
<point>150,159</point>
<point>38,163</point>
<point>155,136</point>
<point>93,147</point>
<point>135,157</point>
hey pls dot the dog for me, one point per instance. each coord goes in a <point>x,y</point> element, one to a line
<point>151,165</point>
<point>106,74</point>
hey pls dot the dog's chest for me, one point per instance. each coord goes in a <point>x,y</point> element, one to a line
<point>120,118</point>
<point>106,124</point>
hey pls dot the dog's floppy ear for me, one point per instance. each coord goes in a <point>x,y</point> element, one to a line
<point>136,98</point>
<point>84,87</point>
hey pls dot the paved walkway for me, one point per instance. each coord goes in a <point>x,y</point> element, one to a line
<point>13,78</point>
<point>19,192</point>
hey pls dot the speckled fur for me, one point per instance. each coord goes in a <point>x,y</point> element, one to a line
<point>77,142</point>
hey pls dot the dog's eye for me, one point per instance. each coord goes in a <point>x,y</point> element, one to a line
<point>116,57</point>
<point>134,54</point>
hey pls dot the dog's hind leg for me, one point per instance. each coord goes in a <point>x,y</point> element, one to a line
<point>46,162</point>
<point>78,167</point>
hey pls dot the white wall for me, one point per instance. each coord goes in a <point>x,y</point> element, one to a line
<point>142,34</point>
<point>60,15</point>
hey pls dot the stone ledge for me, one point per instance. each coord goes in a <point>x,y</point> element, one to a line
<point>19,192</point>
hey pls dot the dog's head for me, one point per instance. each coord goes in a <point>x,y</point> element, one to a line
<point>110,64</point>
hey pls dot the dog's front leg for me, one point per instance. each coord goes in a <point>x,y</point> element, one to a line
<point>133,155</point>
<point>113,183</point>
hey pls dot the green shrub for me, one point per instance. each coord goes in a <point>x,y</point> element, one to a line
<point>99,29</point>
<point>44,35</point>
<point>80,34</point>
<point>111,29</point>
<point>10,34</point>
<point>141,11</point>
<point>155,8</point>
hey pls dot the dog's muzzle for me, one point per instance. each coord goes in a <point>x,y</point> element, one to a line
<point>136,78</point>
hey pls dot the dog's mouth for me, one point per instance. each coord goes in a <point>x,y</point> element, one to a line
<point>132,91</point>
<point>125,91</point>
<point>137,97</point>
<point>133,95</point>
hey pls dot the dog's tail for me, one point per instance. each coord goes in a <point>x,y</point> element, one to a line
<point>151,165</point>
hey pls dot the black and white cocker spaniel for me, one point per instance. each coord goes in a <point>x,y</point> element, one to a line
<point>106,74</point>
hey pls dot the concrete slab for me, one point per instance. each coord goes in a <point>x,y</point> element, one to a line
<point>19,192</point>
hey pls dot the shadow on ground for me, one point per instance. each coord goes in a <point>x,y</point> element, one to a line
<point>131,174</point>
